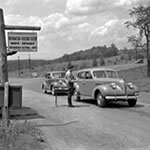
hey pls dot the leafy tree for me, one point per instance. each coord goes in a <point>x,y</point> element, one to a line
<point>101,61</point>
<point>111,51</point>
<point>94,62</point>
<point>136,43</point>
<point>141,21</point>
<point>114,49</point>
<point>69,64</point>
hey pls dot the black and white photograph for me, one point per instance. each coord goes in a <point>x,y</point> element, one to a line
<point>75,75</point>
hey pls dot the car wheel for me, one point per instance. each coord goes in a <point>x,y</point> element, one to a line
<point>101,102</point>
<point>76,95</point>
<point>132,102</point>
<point>53,91</point>
<point>43,89</point>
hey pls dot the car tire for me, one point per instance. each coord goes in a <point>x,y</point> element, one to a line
<point>76,95</point>
<point>43,89</point>
<point>101,102</point>
<point>53,91</point>
<point>132,102</point>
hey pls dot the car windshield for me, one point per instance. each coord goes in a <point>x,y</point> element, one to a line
<point>58,74</point>
<point>111,74</point>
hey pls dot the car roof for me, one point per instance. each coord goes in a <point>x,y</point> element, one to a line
<point>95,69</point>
<point>55,72</point>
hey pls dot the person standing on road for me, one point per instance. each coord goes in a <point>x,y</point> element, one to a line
<point>70,81</point>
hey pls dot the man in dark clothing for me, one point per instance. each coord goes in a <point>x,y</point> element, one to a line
<point>70,81</point>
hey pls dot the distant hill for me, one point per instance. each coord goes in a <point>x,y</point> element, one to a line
<point>92,53</point>
<point>92,57</point>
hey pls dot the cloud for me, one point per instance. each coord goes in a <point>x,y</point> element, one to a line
<point>88,7</point>
<point>10,2</point>
<point>20,20</point>
<point>31,7</point>
<point>113,31</point>
<point>126,2</point>
<point>83,25</point>
<point>102,30</point>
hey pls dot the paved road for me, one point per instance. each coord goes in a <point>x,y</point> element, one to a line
<point>86,126</point>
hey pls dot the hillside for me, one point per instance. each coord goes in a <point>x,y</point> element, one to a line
<point>92,57</point>
<point>96,53</point>
<point>92,53</point>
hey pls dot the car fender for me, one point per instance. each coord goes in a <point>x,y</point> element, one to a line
<point>43,85</point>
<point>103,89</point>
<point>132,90</point>
<point>76,87</point>
<point>54,83</point>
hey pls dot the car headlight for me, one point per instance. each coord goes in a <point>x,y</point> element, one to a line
<point>60,81</point>
<point>113,85</point>
<point>55,83</point>
<point>130,85</point>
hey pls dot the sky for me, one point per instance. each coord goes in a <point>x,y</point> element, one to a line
<point>68,26</point>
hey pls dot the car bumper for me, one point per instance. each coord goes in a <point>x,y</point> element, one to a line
<point>61,90</point>
<point>121,97</point>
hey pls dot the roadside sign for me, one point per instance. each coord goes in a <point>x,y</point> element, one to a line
<point>22,41</point>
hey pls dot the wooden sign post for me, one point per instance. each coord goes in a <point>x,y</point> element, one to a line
<point>3,62</point>
<point>3,53</point>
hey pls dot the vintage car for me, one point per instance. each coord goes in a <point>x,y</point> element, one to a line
<point>54,82</point>
<point>104,85</point>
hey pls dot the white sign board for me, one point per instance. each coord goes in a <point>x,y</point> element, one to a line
<point>22,41</point>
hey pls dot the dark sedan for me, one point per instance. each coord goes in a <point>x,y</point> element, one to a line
<point>54,82</point>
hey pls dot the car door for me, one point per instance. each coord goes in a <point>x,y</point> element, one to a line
<point>48,81</point>
<point>81,82</point>
<point>89,84</point>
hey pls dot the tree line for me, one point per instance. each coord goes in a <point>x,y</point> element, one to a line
<point>92,53</point>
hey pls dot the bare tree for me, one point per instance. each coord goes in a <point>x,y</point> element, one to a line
<point>141,21</point>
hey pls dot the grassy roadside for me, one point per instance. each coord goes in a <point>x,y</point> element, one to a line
<point>138,76</point>
<point>21,136</point>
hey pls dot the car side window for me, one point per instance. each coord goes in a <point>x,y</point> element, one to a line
<point>99,74</point>
<point>47,76</point>
<point>79,75</point>
<point>111,74</point>
<point>82,75</point>
<point>88,75</point>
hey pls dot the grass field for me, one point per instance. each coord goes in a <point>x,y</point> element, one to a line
<point>129,71</point>
<point>138,76</point>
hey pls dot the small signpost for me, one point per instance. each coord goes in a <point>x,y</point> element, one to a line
<point>24,41</point>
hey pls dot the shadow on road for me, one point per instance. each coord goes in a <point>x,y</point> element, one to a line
<point>22,113</point>
<point>74,106</point>
<point>111,104</point>
<point>58,124</point>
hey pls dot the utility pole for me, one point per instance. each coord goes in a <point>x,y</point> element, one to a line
<point>19,65</point>
<point>30,67</point>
